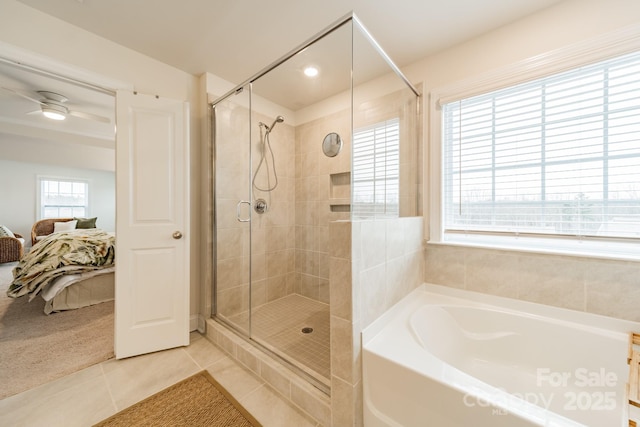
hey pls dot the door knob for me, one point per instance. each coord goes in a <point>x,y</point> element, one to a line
<point>177,235</point>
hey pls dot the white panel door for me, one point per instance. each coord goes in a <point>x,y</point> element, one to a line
<point>152,227</point>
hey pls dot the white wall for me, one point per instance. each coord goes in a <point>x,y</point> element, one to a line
<point>80,51</point>
<point>607,287</point>
<point>19,204</point>
<point>568,22</point>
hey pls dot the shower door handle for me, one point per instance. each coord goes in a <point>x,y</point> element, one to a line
<point>238,211</point>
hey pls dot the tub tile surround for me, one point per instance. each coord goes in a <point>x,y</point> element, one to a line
<point>374,264</point>
<point>599,286</point>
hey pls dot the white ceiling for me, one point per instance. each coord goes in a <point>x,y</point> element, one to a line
<point>235,39</point>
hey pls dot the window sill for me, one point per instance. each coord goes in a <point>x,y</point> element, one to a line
<point>624,251</point>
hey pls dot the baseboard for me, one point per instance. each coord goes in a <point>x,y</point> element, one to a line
<point>197,323</point>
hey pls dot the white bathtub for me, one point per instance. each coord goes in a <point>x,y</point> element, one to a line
<point>444,357</point>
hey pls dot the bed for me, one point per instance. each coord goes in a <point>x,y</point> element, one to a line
<point>68,269</point>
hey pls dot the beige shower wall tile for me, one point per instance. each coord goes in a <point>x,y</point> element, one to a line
<point>306,237</point>
<point>258,292</point>
<point>323,265</point>
<point>226,214</point>
<point>277,263</point>
<point>323,212</point>
<point>323,290</point>
<point>552,280</point>
<point>280,193</point>
<point>342,349</point>
<point>229,243</point>
<point>276,287</point>
<point>258,267</point>
<point>234,300</point>
<point>492,272</point>
<point>229,272</point>
<point>613,289</point>
<point>276,238</point>
<point>231,183</point>
<point>340,239</point>
<point>309,286</point>
<point>341,288</point>
<point>346,403</point>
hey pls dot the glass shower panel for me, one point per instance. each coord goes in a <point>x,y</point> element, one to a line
<point>290,254</point>
<point>386,158</point>
<point>232,186</point>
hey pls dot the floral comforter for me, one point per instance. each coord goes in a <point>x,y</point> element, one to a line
<point>68,252</point>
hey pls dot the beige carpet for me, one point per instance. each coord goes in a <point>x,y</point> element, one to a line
<point>36,348</point>
<point>197,401</point>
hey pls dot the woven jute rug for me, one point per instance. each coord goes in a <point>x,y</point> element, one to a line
<point>197,401</point>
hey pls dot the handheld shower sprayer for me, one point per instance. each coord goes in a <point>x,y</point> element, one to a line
<point>266,145</point>
<point>278,119</point>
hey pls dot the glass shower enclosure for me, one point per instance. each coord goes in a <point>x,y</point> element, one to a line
<point>293,150</point>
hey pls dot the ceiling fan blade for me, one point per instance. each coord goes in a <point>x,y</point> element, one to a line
<point>89,116</point>
<point>15,92</point>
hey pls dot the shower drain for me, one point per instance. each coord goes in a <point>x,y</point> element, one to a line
<point>307,330</point>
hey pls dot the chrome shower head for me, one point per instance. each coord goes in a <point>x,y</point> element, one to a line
<point>278,119</point>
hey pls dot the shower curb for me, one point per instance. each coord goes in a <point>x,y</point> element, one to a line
<point>295,390</point>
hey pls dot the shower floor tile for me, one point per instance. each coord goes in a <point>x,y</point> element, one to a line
<point>279,325</point>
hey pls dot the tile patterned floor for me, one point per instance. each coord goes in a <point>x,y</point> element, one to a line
<point>278,325</point>
<point>95,393</point>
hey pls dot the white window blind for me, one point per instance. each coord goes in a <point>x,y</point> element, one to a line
<point>63,198</point>
<point>555,156</point>
<point>376,170</point>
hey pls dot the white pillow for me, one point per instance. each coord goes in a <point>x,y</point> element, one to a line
<point>64,226</point>
<point>5,232</point>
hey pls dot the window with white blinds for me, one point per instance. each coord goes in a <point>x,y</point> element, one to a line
<point>376,170</point>
<point>556,156</point>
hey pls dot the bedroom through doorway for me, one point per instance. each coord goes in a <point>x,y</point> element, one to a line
<point>61,132</point>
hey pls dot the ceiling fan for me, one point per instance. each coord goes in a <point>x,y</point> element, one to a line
<point>52,106</point>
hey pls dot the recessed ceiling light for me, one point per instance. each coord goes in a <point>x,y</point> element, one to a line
<point>311,71</point>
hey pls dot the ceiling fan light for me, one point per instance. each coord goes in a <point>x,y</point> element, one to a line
<point>54,113</point>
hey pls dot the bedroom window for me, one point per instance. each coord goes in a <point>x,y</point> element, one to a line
<point>63,198</point>
<point>552,158</point>
<point>376,170</point>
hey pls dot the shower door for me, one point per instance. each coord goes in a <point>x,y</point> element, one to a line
<point>232,210</point>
